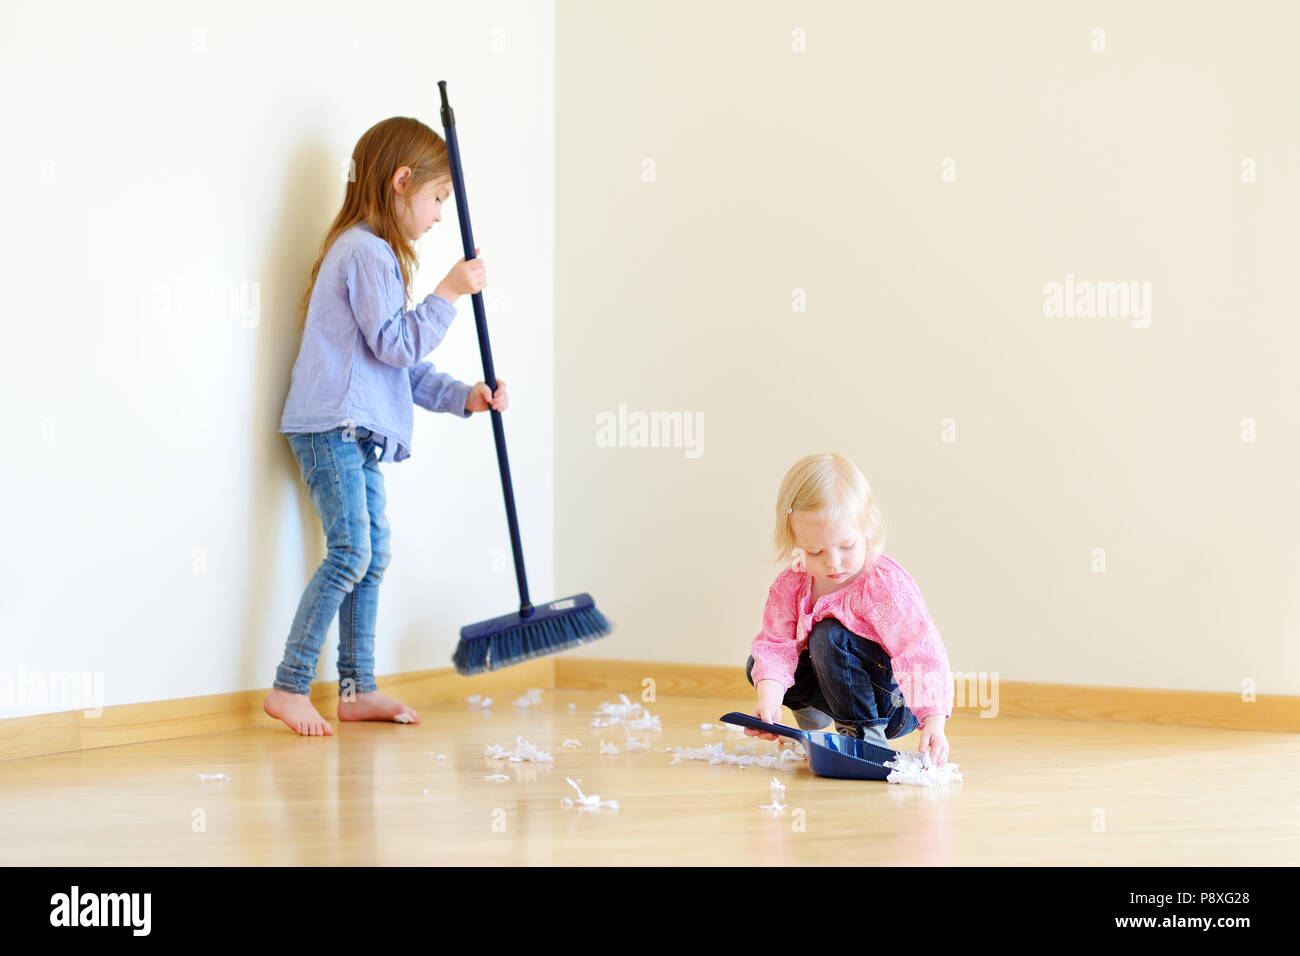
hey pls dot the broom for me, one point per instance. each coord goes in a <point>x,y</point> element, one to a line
<point>532,631</point>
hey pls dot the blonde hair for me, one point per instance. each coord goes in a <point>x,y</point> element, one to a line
<point>830,487</point>
<point>369,197</point>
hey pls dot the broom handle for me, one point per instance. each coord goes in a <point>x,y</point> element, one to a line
<point>485,348</point>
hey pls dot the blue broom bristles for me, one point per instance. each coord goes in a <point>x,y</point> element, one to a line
<point>512,638</point>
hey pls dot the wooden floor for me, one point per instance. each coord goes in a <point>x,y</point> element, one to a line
<point>1035,791</point>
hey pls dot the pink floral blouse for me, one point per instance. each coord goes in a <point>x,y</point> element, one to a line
<point>882,604</point>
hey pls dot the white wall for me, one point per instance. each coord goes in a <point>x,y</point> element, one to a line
<point>159,533</point>
<point>150,143</point>
<point>777,170</point>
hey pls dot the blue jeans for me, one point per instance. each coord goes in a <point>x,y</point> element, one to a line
<point>851,679</point>
<point>342,472</point>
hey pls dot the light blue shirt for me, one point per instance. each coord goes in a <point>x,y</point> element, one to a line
<point>359,363</point>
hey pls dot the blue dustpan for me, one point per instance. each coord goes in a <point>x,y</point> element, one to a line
<point>829,755</point>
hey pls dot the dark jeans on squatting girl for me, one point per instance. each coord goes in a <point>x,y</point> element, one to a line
<point>341,469</point>
<point>850,680</point>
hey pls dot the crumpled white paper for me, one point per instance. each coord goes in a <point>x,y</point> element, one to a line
<point>523,751</point>
<point>585,802</point>
<point>621,711</point>
<point>607,748</point>
<point>634,743</point>
<point>532,697</point>
<point>915,768</point>
<point>627,713</point>
<point>777,787</point>
<point>479,700</point>
<point>706,726</point>
<point>714,753</point>
<point>572,744</point>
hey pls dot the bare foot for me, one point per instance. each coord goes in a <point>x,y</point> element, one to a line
<point>297,712</point>
<point>373,705</point>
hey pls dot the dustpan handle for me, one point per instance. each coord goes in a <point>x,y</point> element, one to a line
<point>485,348</point>
<point>753,723</point>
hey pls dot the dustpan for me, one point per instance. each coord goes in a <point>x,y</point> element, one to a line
<point>829,755</point>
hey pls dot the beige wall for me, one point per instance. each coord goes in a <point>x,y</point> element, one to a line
<point>777,170</point>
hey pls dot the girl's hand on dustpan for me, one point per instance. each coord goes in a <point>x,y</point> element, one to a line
<point>481,397</point>
<point>768,714</point>
<point>934,740</point>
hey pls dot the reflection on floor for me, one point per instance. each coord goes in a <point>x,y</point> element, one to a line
<point>1034,791</point>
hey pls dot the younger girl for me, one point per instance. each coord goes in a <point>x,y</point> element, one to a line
<point>358,373</point>
<point>844,619</point>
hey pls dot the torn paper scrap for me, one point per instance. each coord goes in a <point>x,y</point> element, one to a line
<point>706,726</point>
<point>627,713</point>
<point>714,753</point>
<point>212,776</point>
<point>572,744</point>
<point>585,802</point>
<point>776,786</point>
<point>632,743</point>
<point>607,748</point>
<point>497,776</point>
<point>776,806</point>
<point>615,713</point>
<point>435,756</point>
<point>915,768</point>
<point>646,722</point>
<point>531,698</point>
<point>403,718</point>
<point>478,700</point>
<point>523,751</point>
<point>625,709</point>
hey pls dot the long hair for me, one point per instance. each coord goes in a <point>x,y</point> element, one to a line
<point>369,197</point>
<point>830,487</point>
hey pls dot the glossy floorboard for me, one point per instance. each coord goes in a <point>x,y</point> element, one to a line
<point>1035,792</point>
